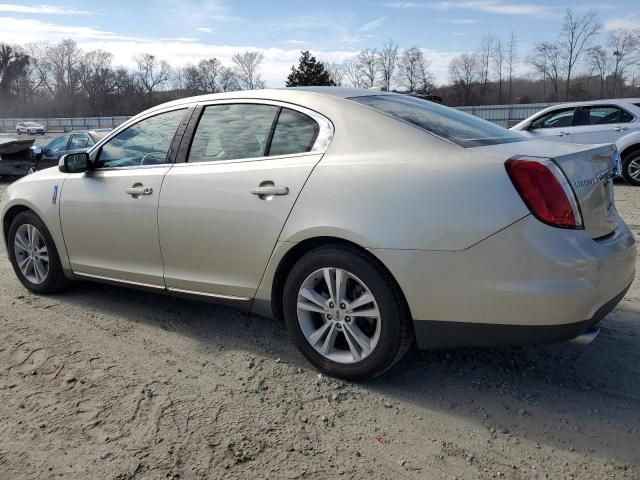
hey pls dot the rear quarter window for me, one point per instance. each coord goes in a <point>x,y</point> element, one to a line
<point>448,123</point>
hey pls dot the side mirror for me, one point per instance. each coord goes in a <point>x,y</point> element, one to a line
<point>74,163</point>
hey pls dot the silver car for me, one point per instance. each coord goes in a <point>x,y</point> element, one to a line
<point>367,220</point>
<point>30,128</point>
<point>600,121</point>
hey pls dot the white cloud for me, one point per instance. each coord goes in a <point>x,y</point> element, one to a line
<point>23,30</point>
<point>463,21</point>
<point>41,9</point>
<point>372,25</point>
<point>631,23</point>
<point>501,7</point>
<point>205,29</point>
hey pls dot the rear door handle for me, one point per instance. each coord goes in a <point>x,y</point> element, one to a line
<point>270,190</point>
<point>562,134</point>
<point>619,129</point>
<point>137,191</point>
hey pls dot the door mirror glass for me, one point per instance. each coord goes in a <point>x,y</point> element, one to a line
<point>74,163</point>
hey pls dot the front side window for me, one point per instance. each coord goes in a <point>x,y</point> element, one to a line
<point>144,143</point>
<point>605,114</point>
<point>231,132</point>
<point>295,133</point>
<point>58,144</point>
<point>448,123</point>
<point>555,119</point>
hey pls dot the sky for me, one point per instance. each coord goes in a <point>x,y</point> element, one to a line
<point>185,31</point>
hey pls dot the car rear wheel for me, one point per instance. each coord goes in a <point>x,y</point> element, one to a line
<point>345,313</point>
<point>28,132</point>
<point>34,256</point>
<point>631,168</point>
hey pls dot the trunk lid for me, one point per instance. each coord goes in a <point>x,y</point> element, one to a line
<point>589,169</point>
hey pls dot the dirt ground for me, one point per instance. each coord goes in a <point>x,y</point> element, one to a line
<point>109,383</point>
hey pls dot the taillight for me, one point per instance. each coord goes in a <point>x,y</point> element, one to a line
<point>545,190</point>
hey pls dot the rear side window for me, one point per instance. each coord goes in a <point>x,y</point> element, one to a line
<point>229,132</point>
<point>295,132</point>
<point>448,123</point>
<point>562,117</point>
<point>604,115</point>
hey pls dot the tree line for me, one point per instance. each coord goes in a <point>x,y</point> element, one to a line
<point>61,79</point>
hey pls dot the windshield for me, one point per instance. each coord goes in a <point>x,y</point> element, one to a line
<point>449,123</point>
<point>32,124</point>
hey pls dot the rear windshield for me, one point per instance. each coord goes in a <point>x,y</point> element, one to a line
<point>449,123</point>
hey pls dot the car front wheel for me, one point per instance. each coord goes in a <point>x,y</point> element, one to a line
<point>345,313</point>
<point>34,256</point>
<point>631,168</point>
<point>32,169</point>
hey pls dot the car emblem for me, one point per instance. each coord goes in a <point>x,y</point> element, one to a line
<point>54,195</point>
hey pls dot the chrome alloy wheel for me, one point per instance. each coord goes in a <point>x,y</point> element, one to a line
<point>31,253</point>
<point>634,169</point>
<point>338,315</point>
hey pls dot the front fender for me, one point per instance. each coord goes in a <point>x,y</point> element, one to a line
<point>39,192</point>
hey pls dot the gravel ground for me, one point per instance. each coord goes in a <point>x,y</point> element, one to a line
<point>105,382</point>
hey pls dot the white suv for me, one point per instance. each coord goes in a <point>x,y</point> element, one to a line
<point>601,121</point>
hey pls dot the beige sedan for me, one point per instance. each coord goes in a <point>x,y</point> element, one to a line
<point>369,221</point>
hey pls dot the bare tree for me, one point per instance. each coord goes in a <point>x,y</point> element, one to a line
<point>624,45</point>
<point>486,49</point>
<point>465,72</point>
<point>368,67</point>
<point>546,59</point>
<point>388,60</point>
<point>413,70</point>
<point>598,60</point>
<point>246,67</point>
<point>209,75</point>
<point>351,73</point>
<point>576,35</point>
<point>512,58</point>
<point>97,78</point>
<point>151,73</point>
<point>499,56</point>
<point>336,72</point>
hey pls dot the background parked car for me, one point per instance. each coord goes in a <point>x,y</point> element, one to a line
<point>30,128</point>
<point>602,121</point>
<point>48,156</point>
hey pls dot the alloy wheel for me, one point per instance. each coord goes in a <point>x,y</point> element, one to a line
<point>338,315</point>
<point>634,168</point>
<point>31,254</point>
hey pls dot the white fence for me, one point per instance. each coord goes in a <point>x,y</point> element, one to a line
<point>65,124</point>
<point>504,115</point>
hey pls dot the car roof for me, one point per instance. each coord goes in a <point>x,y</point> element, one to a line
<point>292,94</point>
<point>606,101</point>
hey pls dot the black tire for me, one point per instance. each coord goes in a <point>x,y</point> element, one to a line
<point>396,334</point>
<point>19,132</point>
<point>55,280</point>
<point>33,168</point>
<point>626,165</point>
<point>28,132</point>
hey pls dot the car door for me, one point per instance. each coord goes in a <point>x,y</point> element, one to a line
<point>109,214</point>
<point>554,125</point>
<point>53,151</point>
<point>603,124</point>
<point>222,209</point>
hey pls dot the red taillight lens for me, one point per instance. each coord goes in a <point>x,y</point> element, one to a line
<point>545,190</point>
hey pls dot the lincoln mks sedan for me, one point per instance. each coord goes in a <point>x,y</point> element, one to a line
<point>368,221</point>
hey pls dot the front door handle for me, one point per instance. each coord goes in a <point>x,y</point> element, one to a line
<point>267,191</point>
<point>138,190</point>
<point>619,129</point>
<point>562,134</point>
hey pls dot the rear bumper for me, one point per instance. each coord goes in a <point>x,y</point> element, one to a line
<point>434,334</point>
<point>527,284</point>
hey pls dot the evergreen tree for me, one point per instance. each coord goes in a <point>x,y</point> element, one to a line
<point>309,72</point>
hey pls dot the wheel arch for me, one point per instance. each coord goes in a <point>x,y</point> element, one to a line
<point>635,147</point>
<point>300,249</point>
<point>8,218</point>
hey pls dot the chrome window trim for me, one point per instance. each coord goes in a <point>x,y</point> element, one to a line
<point>244,160</point>
<point>325,133</point>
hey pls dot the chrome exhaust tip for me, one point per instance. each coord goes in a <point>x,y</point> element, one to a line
<point>587,337</point>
